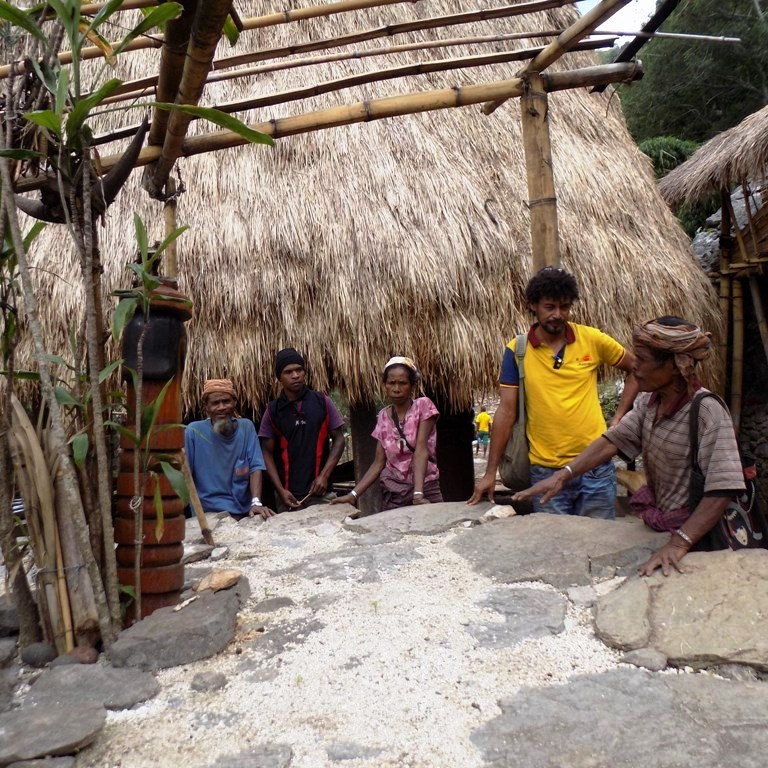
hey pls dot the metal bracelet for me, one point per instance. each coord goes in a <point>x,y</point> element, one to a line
<point>684,536</point>
<point>353,493</point>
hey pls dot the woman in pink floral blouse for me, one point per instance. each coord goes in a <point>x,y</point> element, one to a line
<point>405,454</point>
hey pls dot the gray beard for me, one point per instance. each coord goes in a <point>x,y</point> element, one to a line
<point>224,427</point>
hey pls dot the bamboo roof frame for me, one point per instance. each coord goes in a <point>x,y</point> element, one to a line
<point>468,90</point>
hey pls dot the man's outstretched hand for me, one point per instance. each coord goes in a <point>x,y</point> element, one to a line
<point>486,485</point>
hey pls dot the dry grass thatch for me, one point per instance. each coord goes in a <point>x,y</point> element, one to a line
<point>403,236</point>
<point>736,155</point>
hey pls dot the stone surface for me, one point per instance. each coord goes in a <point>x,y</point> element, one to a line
<point>38,654</point>
<point>9,619</point>
<point>49,729</point>
<point>46,762</point>
<point>347,750</point>
<point>630,719</point>
<point>647,658</point>
<point>421,519</point>
<point>8,680</point>
<point>81,684</point>
<point>194,552</point>
<point>78,655</point>
<point>221,578</point>
<point>168,638</point>
<point>526,613</point>
<point>560,550</point>
<point>712,614</point>
<point>264,756</point>
<point>219,553</point>
<point>272,604</point>
<point>208,681</point>
<point>7,651</point>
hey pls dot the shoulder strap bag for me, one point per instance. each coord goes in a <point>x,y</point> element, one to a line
<point>515,467</point>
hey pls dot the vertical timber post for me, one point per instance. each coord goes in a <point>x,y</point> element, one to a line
<point>725,245</point>
<point>362,420</point>
<point>542,202</point>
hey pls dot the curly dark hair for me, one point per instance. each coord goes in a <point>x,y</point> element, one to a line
<point>552,283</point>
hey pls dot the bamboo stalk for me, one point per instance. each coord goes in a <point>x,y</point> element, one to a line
<point>169,217</point>
<point>542,201</point>
<point>63,594</point>
<point>195,502</point>
<point>725,280</point>
<point>757,303</point>
<point>377,109</point>
<point>91,9</point>
<point>737,358</point>
<point>206,33</point>
<point>565,41</point>
<point>134,89</point>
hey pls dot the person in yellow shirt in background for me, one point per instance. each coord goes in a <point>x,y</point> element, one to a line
<point>483,423</point>
<point>561,401</point>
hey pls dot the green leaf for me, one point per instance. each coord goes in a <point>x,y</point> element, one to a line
<point>170,238</point>
<point>58,360</point>
<point>127,589</point>
<point>45,118</point>
<point>20,19</point>
<point>62,91</point>
<point>34,231</point>
<point>125,310</point>
<point>149,411</point>
<point>83,107</point>
<point>80,449</point>
<point>20,154</point>
<point>141,238</point>
<point>156,18</point>
<point>231,32</point>
<point>159,520</point>
<point>47,76</point>
<point>105,373</point>
<point>104,13</point>
<point>69,15</point>
<point>24,375</point>
<point>220,118</point>
<point>63,397</point>
<point>177,481</point>
<point>123,431</point>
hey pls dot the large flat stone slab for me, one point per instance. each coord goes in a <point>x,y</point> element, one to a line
<point>169,638</point>
<point>49,729</point>
<point>561,550</point>
<point>78,684</point>
<point>630,719</point>
<point>424,519</point>
<point>715,613</point>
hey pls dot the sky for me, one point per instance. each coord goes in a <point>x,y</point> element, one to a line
<point>629,19</point>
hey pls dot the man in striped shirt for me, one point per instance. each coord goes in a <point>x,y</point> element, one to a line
<point>666,351</point>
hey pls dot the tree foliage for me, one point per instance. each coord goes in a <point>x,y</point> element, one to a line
<point>695,89</point>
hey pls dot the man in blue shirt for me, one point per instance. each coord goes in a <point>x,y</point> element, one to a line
<point>224,456</point>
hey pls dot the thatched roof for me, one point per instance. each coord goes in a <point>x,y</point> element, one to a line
<point>403,236</point>
<point>736,155</point>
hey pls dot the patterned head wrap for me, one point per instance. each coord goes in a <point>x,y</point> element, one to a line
<point>218,386</point>
<point>404,361</point>
<point>687,342</point>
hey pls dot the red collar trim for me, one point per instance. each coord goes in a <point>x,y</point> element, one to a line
<point>685,397</point>
<point>533,339</point>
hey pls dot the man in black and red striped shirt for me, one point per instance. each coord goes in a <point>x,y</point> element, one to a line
<point>301,437</point>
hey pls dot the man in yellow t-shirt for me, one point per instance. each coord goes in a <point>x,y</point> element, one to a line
<point>562,407</point>
<point>483,423</point>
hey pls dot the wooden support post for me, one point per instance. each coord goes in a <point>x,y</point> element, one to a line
<point>455,431</point>
<point>362,419</point>
<point>169,216</point>
<point>737,366</point>
<point>542,203</point>
<point>757,303</point>
<point>725,283</point>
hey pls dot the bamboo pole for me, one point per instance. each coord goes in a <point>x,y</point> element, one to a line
<point>61,587</point>
<point>206,33</point>
<point>133,89</point>
<point>195,502</point>
<point>376,109</point>
<point>169,216</point>
<point>565,41</point>
<point>392,73</point>
<point>757,303</point>
<point>725,281</point>
<point>737,359</point>
<point>91,9</point>
<point>155,41</point>
<point>542,200</point>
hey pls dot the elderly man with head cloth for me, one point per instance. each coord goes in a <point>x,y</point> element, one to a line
<point>224,455</point>
<point>666,351</point>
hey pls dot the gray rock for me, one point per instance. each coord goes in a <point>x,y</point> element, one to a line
<point>38,654</point>
<point>281,636</point>
<point>168,638</point>
<point>560,550</point>
<point>219,553</point>
<point>7,651</point>
<point>318,514</point>
<point>628,719</point>
<point>647,658</point>
<point>705,617</point>
<point>425,519</point>
<point>9,619</point>
<point>263,756</point>
<point>347,750</point>
<point>81,684</point>
<point>46,762</point>
<point>527,613</point>
<point>208,681</point>
<point>64,660</point>
<point>272,604</point>
<point>49,729</point>
<point>8,680</point>
<point>737,672</point>
<point>195,552</point>
<point>585,596</point>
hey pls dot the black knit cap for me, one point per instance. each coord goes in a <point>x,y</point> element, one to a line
<point>287,356</point>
